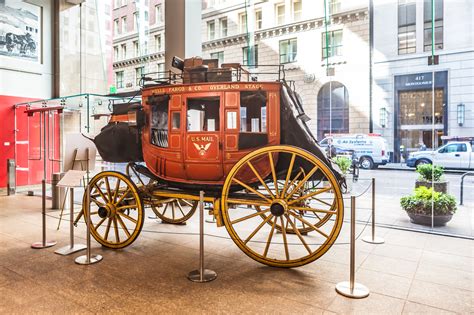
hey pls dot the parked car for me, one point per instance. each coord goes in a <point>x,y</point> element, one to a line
<point>457,155</point>
<point>370,150</point>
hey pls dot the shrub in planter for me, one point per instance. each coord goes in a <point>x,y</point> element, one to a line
<point>420,205</point>
<point>431,176</point>
<point>343,162</point>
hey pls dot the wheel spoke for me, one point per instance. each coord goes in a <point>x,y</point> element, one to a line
<point>100,223</point>
<point>172,209</point>
<point>249,216</point>
<point>123,196</point>
<point>322,201</point>
<point>258,228</point>
<point>309,224</point>
<point>165,208</point>
<point>107,186</point>
<point>97,202</point>
<point>260,178</point>
<point>180,209</point>
<point>313,210</point>
<point>107,229</point>
<point>295,178</point>
<point>187,202</point>
<point>251,189</point>
<point>283,232</point>
<point>301,183</point>
<point>101,193</point>
<point>298,234</point>
<point>116,230</point>
<point>272,166</point>
<point>126,207</point>
<point>116,191</point>
<point>314,193</point>
<point>270,236</point>
<point>288,174</point>
<point>124,227</point>
<point>127,217</point>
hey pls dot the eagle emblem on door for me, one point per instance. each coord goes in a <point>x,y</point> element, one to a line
<point>202,148</point>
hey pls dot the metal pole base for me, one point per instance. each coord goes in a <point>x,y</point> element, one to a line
<point>360,291</point>
<point>40,245</point>
<point>207,276</point>
<point>82,260</point>
<point>67,250</point>
<point>153,217</point>
<point>375,240</point>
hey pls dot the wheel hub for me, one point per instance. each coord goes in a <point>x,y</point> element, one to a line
<point>278,207</point>
<point>102,212</point>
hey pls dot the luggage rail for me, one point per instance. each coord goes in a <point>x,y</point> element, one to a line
<point>229,72</point>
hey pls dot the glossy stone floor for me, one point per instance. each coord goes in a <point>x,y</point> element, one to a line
<point>411,273</point>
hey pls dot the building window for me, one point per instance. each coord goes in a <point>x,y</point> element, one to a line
<point>258,19</point>
<point>334,6</point>
<point>243,23</point>
<point>248,54</point>
<point>158,43</point>
<point>119,79</point>
<point>218,55</point>
<point>223,27</point>
<point>116,27</point>
<point>124,25</point>
<point>211,30</point>
<point>158,14</point>
<point>406,26</point>
<point>438,25</point>
<point>334,42</point>
<point>145,15</point>
<point>333,109</point>
<point>136,49</point>
<point>297,10</point>
<point>135,21</point>
<point>124,51</point>
<point>161,70</point>
<point>117,4</point>
<point>138,74</point>
<point>280,14</point>
<point>288,50</point>
<point>116,53</point>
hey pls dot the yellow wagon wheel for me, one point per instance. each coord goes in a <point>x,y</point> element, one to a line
<point>252,217</point>
<point>116,209</point>
<point>175,210</point>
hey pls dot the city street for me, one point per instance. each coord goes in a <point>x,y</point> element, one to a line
<point>393,184</point>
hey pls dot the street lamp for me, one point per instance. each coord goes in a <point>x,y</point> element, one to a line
<point>383,117</point>
<point>461,114</point>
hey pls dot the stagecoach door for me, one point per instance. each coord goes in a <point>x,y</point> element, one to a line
<point>203,159</point>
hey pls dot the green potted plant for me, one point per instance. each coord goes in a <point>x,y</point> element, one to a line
<point>425,202</point>
<point>431,176</point>
<point>344,164</point>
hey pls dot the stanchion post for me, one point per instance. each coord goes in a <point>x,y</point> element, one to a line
<point>88,259</point>
<point>373,239</point>
<point>44,243</point>
<point>351,288</point>
<point>72,248</point>
<point>202,274</point>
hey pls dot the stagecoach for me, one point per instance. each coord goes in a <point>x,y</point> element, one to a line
<point>241,139</point>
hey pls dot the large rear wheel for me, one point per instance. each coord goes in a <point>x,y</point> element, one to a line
<point>285,219</point>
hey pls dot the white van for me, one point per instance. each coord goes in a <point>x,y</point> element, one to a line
<point>371,149</point>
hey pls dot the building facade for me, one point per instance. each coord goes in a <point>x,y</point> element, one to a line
<point>404,110</point>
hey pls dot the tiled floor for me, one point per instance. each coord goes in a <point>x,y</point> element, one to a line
<point>411,273</point>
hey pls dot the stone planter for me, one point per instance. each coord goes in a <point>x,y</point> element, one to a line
<point>438,186</point>
<point>425,219</point>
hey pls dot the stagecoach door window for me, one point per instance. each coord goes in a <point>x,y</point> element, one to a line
<point>176,120</point>
<point>253,119</point>
<point>203,114</point>
<point>159,125</point>
<point>231,120</point>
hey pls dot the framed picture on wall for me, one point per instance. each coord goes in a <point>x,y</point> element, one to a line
<point>20,30</point>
